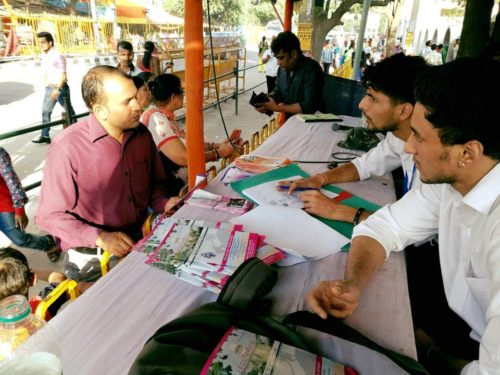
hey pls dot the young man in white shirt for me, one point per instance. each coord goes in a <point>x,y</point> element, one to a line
<point>271,68</point>
<point>56,83</point>
<point>456,150</point>
<point>387,107</point>
<point>125,52</point>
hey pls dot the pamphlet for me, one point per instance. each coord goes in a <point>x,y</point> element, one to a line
<point>244,353</point>
<point>205,199</point>
<point>260,164</point>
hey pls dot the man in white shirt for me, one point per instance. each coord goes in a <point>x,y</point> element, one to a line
<point>56,83</point>
<point>126,57</point>
<point>271,68</point>
<point>434,57</point>
<point>387,107</point>
<point>456,150</point>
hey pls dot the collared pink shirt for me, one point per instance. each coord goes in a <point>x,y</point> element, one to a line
<point>90,174</point>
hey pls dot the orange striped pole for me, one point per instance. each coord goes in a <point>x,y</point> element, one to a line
<point>193,53</point>
<point>288,15</point>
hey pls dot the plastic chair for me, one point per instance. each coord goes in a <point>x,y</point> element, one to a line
<point>68,287</point>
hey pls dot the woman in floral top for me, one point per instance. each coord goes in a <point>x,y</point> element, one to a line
<point>168,96</point>
<point>13,219</point>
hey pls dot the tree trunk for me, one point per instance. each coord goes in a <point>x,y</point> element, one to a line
<point>476,27</point>
<point>318,37</point>
<point>393,29</point>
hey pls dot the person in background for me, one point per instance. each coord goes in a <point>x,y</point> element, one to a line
<point>150,62</point>
<point>326,57</point>
<point>299,84</point>
<point>271,68</point>
<point>168,96</point>
<point>434,57</point>
<point>453,50</point>
<point>13,219</point>
<point>56,83</point>
<point>101,177</point>
<point>144,97</point>
<point>126,58</point>
<point>263,46</point>
<point>457,153</point>
<point>426,50</point>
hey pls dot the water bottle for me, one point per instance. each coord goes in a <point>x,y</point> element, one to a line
<point>27,344</point>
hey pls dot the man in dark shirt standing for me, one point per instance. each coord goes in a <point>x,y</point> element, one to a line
<point>101,175</point>
<point>299,83</point>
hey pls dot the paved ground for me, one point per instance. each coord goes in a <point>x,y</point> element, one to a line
<point>20,106</point>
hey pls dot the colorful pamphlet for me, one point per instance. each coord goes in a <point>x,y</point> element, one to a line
<point>202,198</point>
<point>260,164</point>
<point>243,353</point>
<point>203,253</point>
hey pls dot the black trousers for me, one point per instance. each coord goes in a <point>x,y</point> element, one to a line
<point>429,306</point>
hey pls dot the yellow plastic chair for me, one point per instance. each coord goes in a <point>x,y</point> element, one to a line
<point>105,262</point>
<point>68,287</point>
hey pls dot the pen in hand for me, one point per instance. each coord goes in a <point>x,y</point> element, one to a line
<point>286,187</point>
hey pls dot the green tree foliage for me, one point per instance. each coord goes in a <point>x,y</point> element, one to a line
<point>227,13</point>
<point>261,12</point>
<point>328,14</point>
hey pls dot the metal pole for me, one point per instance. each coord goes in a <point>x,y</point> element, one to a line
<point>236,92</point>
<point>193,45</point>
<point>359,43</point>
<point>288,15</point>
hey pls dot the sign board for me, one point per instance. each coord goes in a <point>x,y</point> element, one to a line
<point>304,33</point>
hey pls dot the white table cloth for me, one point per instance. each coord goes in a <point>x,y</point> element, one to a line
<point>104,329</point>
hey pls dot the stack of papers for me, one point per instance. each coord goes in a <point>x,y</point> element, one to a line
<point>205,199</point>
<point>203,253</point>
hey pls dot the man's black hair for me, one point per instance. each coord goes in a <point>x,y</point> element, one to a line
<point>286,41</point>
<point>48,36</point>
<point>124,44</point>
<point>462,106</point>
<point>395,76</point>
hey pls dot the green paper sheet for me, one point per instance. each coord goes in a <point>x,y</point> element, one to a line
<point>294,170</point>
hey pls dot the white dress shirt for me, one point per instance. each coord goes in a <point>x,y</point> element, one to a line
<point>469,251</point>
<point>386,156</point>
<point>271,64</point>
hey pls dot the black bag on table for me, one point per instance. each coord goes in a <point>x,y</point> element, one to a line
<point>183,346</point>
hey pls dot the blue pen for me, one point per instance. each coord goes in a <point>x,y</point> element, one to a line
<point>285,187</point>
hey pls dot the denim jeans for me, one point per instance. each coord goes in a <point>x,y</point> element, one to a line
<point>20,238</point>
<point>49,104</point>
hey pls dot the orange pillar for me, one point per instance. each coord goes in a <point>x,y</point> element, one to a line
<point>193,54</point>
<point>288,15</point>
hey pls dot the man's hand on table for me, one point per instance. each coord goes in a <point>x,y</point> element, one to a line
<point>115,243</point>
<point>338,298</point>
<point>316,203</point>
<point>315,182</point>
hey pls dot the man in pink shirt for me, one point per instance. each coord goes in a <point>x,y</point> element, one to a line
<point>101,175</point>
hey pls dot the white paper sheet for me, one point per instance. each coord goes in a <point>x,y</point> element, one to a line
<point>285,227</point>
<point>266,194</point>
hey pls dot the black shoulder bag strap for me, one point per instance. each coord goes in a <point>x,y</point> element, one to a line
<point>337,328</point>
